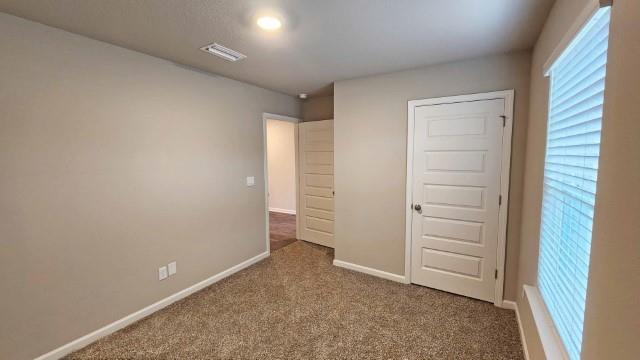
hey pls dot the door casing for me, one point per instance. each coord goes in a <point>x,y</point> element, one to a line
<point>508,96</point>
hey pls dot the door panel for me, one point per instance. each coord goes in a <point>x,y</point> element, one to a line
<point>467,161</point>
<point>316,182</point>
<point>456,181</point>
<point>449,262</point>
<point>456,196</point>
<point>464,231</point>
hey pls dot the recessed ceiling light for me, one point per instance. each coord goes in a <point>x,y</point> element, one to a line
<point>302,96</point>
<point>269,23</point>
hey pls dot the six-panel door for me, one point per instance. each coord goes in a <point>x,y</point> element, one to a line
<point>316,182</point>
<point>456,181</point>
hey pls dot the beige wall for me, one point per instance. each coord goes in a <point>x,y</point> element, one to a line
<point>612,320</point>
<point>281,160</point>
<point>115,163</point>
<point>612,317</point>
<point>370,154</point>
<point>317,108</point>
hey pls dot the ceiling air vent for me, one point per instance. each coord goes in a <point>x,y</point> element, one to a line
<point>223,52</point>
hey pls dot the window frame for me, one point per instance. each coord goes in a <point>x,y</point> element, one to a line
<point>552,342</point>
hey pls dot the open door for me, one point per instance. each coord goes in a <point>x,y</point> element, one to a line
<point>316,208</point>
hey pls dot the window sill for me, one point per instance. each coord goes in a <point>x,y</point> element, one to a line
<point>551,342</point>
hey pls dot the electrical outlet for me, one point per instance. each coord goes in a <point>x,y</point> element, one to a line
<point>173,268</point>
<point>251,180</point>
<point>162,273</point>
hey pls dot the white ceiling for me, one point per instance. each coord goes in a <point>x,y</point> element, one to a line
<point>322,40</point>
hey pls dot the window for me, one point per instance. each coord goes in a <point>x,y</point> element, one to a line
<point>570,175</point>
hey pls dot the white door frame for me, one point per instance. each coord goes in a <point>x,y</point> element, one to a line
<point>265,117</point>
<point>507,95</point>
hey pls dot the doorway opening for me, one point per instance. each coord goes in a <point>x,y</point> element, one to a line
<point>281,179</point>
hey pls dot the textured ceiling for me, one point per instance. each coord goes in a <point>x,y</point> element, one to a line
<point>322,40</point>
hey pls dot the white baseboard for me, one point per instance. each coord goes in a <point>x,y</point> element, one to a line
<point>512,305</point>
<point>371,271</point>
<point>283,211</point>
<point>508,304</point>
<point>131,318</point>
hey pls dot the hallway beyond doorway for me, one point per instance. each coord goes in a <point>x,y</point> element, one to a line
<point>282,229</point>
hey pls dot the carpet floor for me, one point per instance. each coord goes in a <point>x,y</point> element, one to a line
<point>282,230</point>
<point>297,305</point>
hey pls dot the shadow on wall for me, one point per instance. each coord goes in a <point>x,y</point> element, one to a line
<point>317,108</point>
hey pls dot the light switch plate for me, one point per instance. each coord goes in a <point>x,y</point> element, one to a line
<point>162,273</point>
<point>173,268</point>
<point>251,180</point>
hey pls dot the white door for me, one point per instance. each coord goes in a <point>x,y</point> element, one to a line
<point>316,182</point>
<point>456,186</point>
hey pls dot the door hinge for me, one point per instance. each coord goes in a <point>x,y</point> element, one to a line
<point>495,275</point>
<point>499,200</point>
<point>504,120</point>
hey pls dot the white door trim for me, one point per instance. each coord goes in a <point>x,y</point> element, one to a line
<point>508,96</point>
<point>265,117</point>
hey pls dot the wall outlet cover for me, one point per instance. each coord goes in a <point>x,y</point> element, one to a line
<point>173,268</point>
<point>162,273</point>
<point>251,180</point>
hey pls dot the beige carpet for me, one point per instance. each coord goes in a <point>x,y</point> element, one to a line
<point>296,305</point>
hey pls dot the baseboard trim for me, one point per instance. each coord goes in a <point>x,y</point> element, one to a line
<point>131,318</point>
<point>512,305</point>
<point>283,211</point>
<point>371,271</point>
<point>508,304</point>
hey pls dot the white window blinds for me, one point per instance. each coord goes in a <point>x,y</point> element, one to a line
<point>570,174</point>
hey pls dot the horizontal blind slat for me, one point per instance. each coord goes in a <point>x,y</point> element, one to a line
<point>576,128</point>
<point>585,66</point>
<point>596,28</point>
<point>583,95</point>
<point>594,79</point>
<point>577,117</point>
